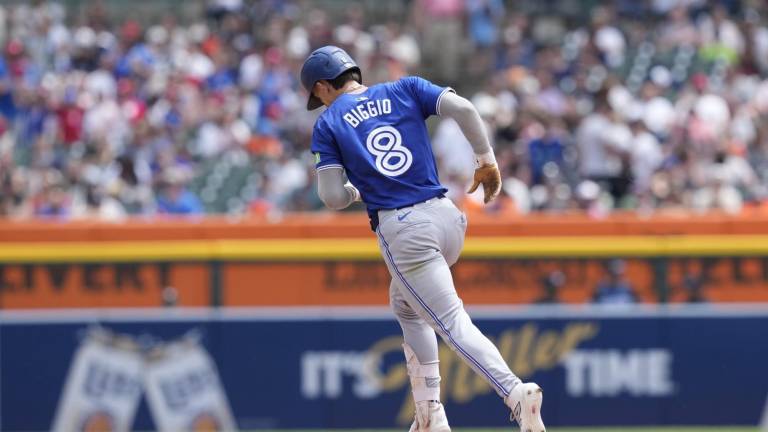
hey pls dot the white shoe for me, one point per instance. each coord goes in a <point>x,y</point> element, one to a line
<point>430,417</point>
<point>525,402</point>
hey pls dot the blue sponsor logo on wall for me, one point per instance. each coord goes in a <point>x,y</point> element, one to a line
<point>638,369</point>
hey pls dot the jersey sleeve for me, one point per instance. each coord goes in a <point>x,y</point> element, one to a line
<point>427,94</point>
<point>324,147</point>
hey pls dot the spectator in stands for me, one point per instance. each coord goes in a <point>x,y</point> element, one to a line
<point>440,25</point>
<point>693,286</point>
<point>646,156</point>
<point>484,18</point>
<point>614,289</point>
<point>602,141</point>
<point>95,203</point>
<point>54,200</point>
<point>720,36</point>
<point>547,148</point>
<point>175,198</point>
<point>454,154</point>
<point>679,30</point>
<point>585,113</point>
<point>607,38</point>
<point>551,285</point>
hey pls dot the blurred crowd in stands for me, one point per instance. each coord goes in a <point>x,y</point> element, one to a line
<point>596,106</point>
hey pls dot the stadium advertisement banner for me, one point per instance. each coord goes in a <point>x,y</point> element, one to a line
<point>343,282</point>
<point>103,386</point>
<point>345,368</point>
<point>502,280</point>
<point>183,390</point>
<point>101,284</point>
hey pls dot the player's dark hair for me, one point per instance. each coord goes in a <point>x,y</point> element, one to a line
<point>347,76</point>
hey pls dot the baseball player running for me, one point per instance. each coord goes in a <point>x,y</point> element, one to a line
<point>377,136</point>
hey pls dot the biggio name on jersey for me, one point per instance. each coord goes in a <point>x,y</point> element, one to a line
<point>366,110</point>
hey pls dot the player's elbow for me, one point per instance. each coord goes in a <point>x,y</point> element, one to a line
<point>334,199</point>
<point>335,205</point>
<point>331,189</point>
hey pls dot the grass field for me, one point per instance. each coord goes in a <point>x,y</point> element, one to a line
<point>594,429</point>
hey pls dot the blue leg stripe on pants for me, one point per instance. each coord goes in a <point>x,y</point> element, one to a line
<point>437,320</point>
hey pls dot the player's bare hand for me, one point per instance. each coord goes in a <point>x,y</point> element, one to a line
<point>490,177</point>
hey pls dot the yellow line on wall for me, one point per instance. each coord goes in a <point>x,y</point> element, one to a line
<point>190,250</point>
<point>617,246</point>
<point>367,249</point>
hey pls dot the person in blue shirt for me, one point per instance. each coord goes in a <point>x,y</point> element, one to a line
<point>614,289</point>
<point>543,150</point>
<point>176,199</point>
<point>377,138</point>
<point>7,104</point>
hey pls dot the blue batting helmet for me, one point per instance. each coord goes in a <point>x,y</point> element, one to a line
<point>324,63</point>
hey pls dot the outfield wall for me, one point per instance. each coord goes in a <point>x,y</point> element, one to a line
<point>343,367</point>
<point>293,314</point>
<point>334,260</point>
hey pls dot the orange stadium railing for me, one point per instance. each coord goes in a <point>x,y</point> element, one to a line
<point>333,259</point>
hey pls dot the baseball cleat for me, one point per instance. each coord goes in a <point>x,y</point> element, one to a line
<point>430,417</point>
<point>525,401</point>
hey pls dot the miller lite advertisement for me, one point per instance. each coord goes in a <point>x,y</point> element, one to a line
<point>184,391</point>
<point>254,373</point>
<point>110,372</point>
<point>103,387</point>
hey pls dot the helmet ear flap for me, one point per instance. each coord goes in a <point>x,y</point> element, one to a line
<point>314,102</point>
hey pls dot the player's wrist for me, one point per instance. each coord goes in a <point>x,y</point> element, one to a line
<point>353,191</point>
<point>485,159</point>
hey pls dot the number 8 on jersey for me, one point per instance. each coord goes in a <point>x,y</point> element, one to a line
<point>386,144</point>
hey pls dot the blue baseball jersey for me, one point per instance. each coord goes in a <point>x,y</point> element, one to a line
<point>380,138</point>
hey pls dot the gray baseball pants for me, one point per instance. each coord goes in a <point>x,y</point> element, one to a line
<point>419,244</point>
